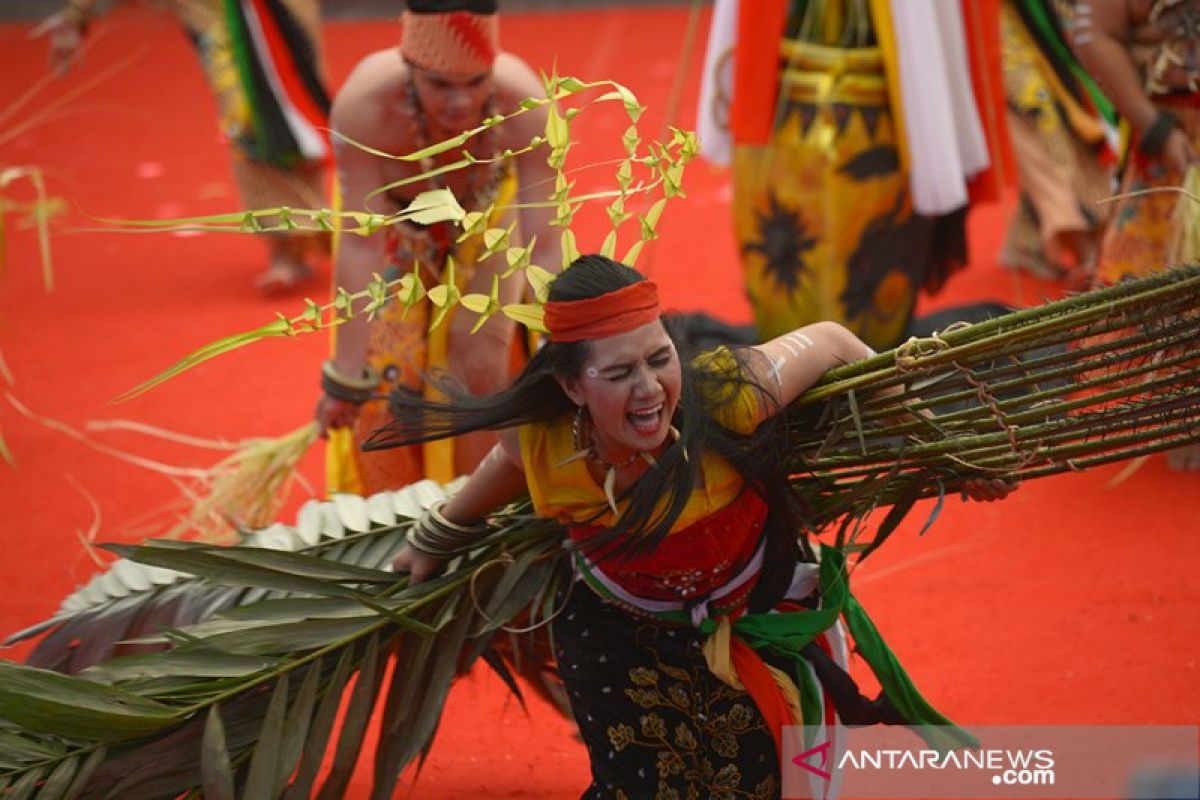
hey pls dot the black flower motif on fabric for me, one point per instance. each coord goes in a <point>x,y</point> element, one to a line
<point>783,240</point>
<point>878,161</point>
<point>657,723</point>
<point>894,243</point>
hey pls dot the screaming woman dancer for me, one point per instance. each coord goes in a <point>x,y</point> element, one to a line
<point>698,623</point>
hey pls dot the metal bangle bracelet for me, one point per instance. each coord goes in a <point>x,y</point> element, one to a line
<point>424,546</point>
<point>425,537</point>
<point>344,393</point>
<point>369,380</point>
<point>435,515</point>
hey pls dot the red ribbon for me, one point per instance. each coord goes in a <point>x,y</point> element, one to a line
<point>762,688</point>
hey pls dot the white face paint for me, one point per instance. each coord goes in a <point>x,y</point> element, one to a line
<point>630,383</point>
<point>795,343</point>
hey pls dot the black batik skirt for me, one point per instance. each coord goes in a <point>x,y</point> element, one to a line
<point>657,723</point>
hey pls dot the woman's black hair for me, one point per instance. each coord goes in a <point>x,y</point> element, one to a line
<point>535,396</point>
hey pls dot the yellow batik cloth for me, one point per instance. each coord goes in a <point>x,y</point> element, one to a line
<point>822,212</point>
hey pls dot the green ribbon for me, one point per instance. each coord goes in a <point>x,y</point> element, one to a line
<point>786,634</point>
<point>239,48</point>
<point>1041,19</point>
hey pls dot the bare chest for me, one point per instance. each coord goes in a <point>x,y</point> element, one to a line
<point>470,170</point>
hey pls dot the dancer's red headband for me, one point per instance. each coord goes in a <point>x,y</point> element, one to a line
<point>455,43</point>
<point>607,315</point>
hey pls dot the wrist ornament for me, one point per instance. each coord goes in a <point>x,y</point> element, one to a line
<point>1154,138</point>
<point>437,537</point>
<point>347,389</point>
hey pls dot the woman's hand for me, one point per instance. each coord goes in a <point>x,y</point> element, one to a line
<point>1178,152</point>
<point>987,490</point>
<point>418,565</point>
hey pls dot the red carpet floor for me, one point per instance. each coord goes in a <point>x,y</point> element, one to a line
<point>1069,603</point>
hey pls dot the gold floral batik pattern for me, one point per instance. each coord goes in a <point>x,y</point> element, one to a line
<point>657,723</point>
<point>677,749</point>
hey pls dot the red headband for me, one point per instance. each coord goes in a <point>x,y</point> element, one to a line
<point>456,43</point>
<point>607,315</point>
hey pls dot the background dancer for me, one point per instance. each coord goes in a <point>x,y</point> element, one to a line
<point>447,76</point>
<point>262,60</point>
<point>1146,56</point>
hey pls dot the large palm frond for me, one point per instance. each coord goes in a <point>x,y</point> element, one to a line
<point>130,600</point>
<point>248,696</point>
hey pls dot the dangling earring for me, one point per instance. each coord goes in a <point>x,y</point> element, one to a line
<point>582,450</point>
<point>675,437</point>
<point>585,447</point>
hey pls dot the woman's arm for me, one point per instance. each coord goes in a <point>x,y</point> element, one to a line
<point>793,363</point>
<point>536,176</point>
<point>356,115</point>
<point>498,479</point>
<point>479,359</point>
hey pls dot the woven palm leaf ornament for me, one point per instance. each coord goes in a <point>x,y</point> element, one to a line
<point>1093,379</point>
<point>197,669</point>
<point>646,176</point>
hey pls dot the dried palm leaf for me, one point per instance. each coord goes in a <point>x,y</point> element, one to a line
<point>1104,376</point>
<point>1183,232</point>
<point>243,491</point>
<point>247,489</point>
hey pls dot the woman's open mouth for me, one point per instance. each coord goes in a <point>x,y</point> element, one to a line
<point>646,421</point>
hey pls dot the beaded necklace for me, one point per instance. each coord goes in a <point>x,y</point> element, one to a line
<point>483,179</point>
<point>587,449</point>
